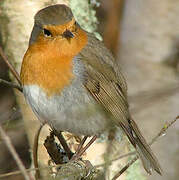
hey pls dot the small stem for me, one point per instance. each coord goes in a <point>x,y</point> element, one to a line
<point>125,168</point>
<point>162,131</point>
<point>35,152</point>
<point>120,157</point>
<point>10,84</point>
<point>12,69</point>
<point>11,149</point>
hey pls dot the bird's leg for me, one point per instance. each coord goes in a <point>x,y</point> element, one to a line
<point>63,143</point>
<point>82,150</point>
<point>80,146</point>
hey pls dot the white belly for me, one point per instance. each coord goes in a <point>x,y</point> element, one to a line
<point>74,110</point>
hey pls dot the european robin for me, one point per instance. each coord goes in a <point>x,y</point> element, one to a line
<point>72,82</point>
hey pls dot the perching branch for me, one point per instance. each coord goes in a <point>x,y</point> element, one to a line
<point>11,149</point>
<point>162,131</point>
<point>12,69</point>
<point>78,168</point>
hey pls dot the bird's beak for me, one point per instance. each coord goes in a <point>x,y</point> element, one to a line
<point>68,34</point>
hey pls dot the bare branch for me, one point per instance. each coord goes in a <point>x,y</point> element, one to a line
<point>115,159</point>
<point>12,69</point>
<point>81,169</point>
<point>15,173</point>
<point>11,149</point>
<point>162,131</point>
<point>125,168</point>
<point>10,84</point>
<point>78,168</point>
<point>35,151</point>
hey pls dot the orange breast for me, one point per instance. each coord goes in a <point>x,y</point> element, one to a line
<point>48,63</point>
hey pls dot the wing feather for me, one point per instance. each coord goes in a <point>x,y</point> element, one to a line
<point>104,80</point>
<point>107,85</point>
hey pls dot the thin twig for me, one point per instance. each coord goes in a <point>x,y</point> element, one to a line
<point>10,84</point>
<point>115,159</point>
<point>28,170</point>
<point>12,69</point>
<point>15,173</point>
<point>35,151</point>
<point>125,168</point>
<point>162,131</point>
<point>11,149</point>
<point>79,165</point>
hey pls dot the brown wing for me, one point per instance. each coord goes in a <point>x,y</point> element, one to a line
<point>104,80</point>
<point>108,93</point>
<point>107,85</point>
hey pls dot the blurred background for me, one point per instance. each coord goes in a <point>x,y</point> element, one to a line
<point>144,38</point>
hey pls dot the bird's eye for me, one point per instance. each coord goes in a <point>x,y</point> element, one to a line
<point>47,32</point>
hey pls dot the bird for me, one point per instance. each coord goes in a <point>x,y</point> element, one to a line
<point>73,83</point>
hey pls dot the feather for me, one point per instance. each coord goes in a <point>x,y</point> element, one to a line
<point>107,85</point>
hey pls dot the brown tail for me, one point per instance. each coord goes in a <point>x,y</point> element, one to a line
<point>145,153</point>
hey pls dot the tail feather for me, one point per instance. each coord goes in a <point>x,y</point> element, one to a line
<point>145,153</point>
